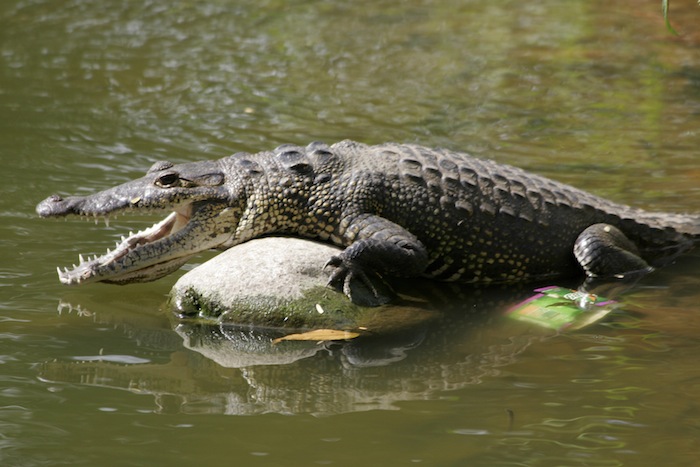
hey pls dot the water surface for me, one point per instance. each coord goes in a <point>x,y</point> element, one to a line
<point>592,93</point>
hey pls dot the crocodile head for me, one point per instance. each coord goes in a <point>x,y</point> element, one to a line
<point>203,215</point>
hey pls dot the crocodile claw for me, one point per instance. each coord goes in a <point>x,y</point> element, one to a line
<point>362,287</point>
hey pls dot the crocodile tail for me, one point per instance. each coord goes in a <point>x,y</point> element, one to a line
<point>696,229</point>
<point>690,227</point>
<point>686,224</point>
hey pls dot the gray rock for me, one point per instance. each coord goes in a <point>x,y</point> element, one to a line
<point>279,282</point>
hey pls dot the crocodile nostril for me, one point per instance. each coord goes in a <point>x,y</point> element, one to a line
<point>55,199</point>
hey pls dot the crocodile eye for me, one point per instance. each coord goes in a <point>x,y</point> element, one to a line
<point>168,180</point>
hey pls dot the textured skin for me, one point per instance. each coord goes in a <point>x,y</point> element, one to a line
<point>400,210</point>
<point>481,221</point>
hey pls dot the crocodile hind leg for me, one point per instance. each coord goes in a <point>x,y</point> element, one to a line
<point>603,251</point>
<point>380,247</point>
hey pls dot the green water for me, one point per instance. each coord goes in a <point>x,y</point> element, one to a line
<point>593,93</point>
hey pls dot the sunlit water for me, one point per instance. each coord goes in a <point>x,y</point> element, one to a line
<point>596,94</point>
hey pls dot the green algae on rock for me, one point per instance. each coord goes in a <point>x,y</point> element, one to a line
<point>279,282</point>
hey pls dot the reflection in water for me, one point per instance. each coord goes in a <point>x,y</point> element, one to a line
<point>238,370</point>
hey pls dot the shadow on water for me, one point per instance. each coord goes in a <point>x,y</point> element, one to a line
<point>218,368</point>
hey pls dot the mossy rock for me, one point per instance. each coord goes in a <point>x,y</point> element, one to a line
<point>279,282</point>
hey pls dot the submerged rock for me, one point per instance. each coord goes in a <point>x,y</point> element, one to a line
<point>279,282</point>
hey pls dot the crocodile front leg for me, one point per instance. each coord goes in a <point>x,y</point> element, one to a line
<point>380,247</point>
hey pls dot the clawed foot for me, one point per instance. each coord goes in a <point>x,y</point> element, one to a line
<point>362,287</point>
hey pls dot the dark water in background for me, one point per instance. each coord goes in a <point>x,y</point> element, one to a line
<point>593,93</point>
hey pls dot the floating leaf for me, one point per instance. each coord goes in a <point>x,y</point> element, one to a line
<point>319,335</point>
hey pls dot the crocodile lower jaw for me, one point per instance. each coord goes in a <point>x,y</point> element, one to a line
<point>116,266</point>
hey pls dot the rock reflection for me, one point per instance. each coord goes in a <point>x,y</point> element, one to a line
<point>233,370</point>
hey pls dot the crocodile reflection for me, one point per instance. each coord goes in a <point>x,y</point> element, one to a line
<point>216,368</point>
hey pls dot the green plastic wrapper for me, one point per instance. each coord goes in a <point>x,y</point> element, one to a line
<point>561,308</point>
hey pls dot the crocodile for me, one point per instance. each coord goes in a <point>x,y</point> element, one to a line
<point>398,210</point>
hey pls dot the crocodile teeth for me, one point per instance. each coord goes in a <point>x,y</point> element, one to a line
<point>95,267</point>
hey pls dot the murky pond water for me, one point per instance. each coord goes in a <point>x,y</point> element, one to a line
<point>593,93</point>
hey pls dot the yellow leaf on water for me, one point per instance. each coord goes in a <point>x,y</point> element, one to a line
<point>319,335</point>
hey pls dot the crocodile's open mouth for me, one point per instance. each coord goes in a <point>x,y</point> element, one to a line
<point>143,256</point>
